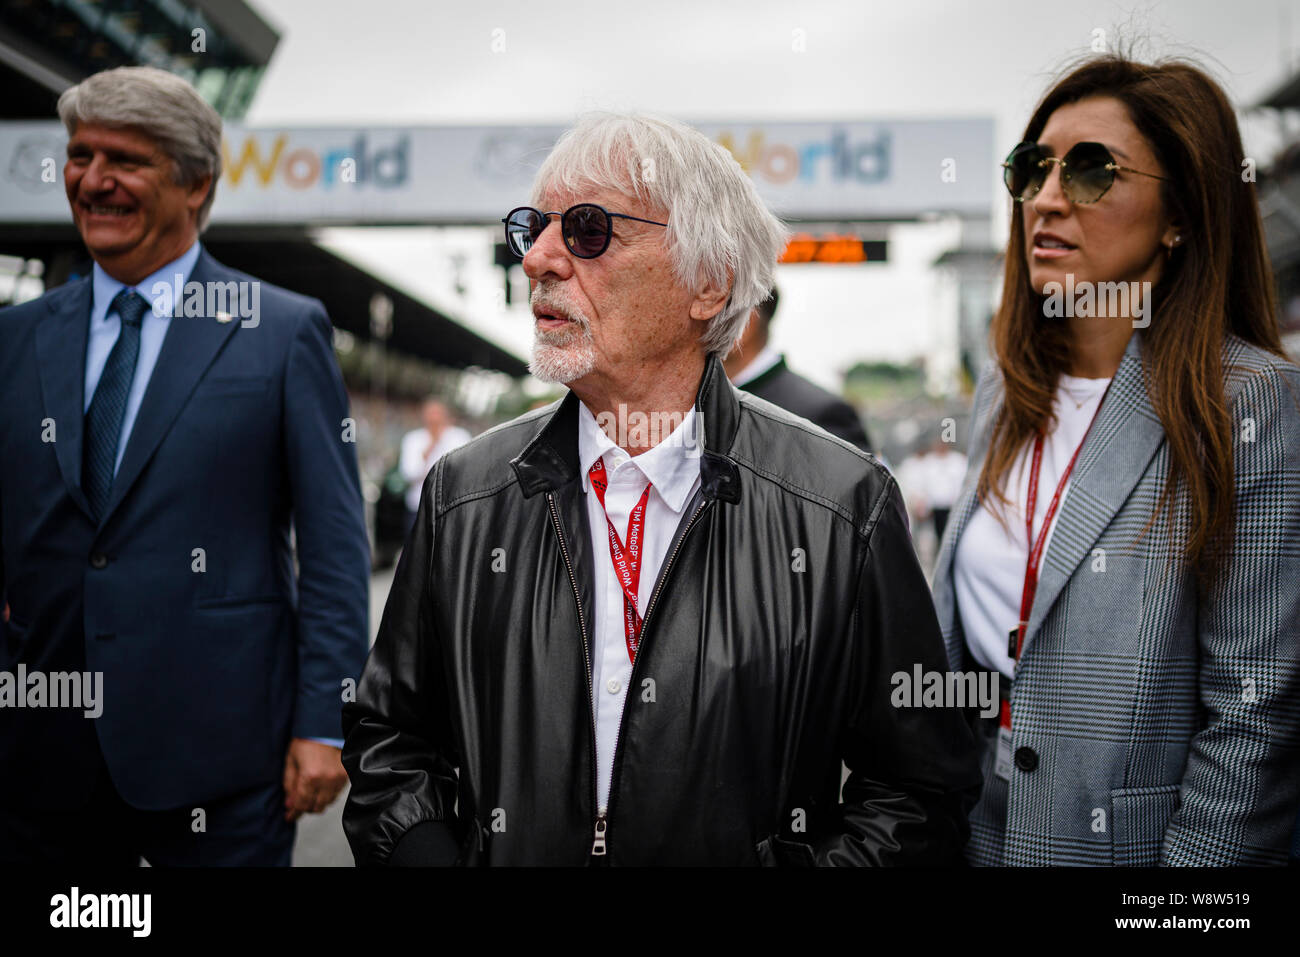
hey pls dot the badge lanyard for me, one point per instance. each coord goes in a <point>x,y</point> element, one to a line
<point>1017,636</point>
<point>627,559</point>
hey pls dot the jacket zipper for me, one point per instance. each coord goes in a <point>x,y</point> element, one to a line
<point>598,829</point>
<point>603,820</point>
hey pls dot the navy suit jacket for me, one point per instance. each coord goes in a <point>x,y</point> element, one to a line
<point>792,392</point>
<point>211,659</point>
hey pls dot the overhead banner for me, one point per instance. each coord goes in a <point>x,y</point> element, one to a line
<point>870,170</point>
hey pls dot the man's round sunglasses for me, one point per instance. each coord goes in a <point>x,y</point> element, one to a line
<point>586,228</point>
<point>1087,171</point>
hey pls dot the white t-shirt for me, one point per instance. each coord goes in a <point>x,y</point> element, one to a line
<point>989,563</point>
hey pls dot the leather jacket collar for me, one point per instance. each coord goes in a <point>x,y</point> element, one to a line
<point>551,458</point>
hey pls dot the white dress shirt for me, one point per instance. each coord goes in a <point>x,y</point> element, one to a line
<point>989,563</point>
<point>673,469</point>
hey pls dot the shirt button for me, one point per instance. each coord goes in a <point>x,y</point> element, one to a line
<point>613,685</point>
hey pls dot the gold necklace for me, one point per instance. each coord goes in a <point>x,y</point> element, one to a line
<point>1077,404</point>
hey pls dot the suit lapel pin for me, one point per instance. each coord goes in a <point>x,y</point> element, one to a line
<point>224,317</point>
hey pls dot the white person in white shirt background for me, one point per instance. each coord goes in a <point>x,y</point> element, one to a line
<point>422,447</point>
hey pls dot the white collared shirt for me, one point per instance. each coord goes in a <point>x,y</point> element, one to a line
<point>673,469</point>
<point>767,357</point>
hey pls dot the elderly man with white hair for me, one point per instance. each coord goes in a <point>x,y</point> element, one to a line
<point>649,623</point>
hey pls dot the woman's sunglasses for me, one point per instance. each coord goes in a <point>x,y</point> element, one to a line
<point>586,228</point>
<point>1087,171</point>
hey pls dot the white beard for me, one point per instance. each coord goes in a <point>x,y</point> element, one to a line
<point>563,355</point>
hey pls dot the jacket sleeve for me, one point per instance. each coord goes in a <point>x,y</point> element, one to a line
<point>329,523</point>
<point>913,773</point>
<point>398,750</point>
<point>1241,784</point>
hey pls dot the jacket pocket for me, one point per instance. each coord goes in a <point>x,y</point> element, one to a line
<point>1138,819</point>
<point>774,851</point>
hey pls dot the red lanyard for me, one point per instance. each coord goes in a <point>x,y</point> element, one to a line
<point>1016,639</point>
<point>627,559</point>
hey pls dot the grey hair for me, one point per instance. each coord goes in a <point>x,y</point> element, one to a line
<point>161,105</point>
<point>717,223</point>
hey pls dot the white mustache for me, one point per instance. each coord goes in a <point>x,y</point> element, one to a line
<point>551,299</point>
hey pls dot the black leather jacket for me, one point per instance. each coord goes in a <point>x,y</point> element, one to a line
<point>789,597</point>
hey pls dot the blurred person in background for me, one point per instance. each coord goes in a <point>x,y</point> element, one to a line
<point>422,447</point>
<point>945,470</point>
<point>1129,556</point>
<point>613,642</point>
<point>760,369</point>
<point>153,465</point>
<point>932,481</point>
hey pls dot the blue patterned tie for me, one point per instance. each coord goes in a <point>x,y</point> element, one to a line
<point>108,407</point>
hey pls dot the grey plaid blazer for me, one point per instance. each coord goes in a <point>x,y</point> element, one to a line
<point>1165,723</point>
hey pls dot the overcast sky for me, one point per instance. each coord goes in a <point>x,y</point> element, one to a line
<point>421,62</point>
<point>504,61</point>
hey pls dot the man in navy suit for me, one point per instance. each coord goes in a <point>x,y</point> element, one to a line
<point>167,422</point>
<point>759,368</point>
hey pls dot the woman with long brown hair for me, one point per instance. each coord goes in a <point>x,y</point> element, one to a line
<point>1126,552</point>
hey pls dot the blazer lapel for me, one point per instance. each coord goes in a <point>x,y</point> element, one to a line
<point>61,359</point>
<point>1116,453</point>
<point>188,349</point>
